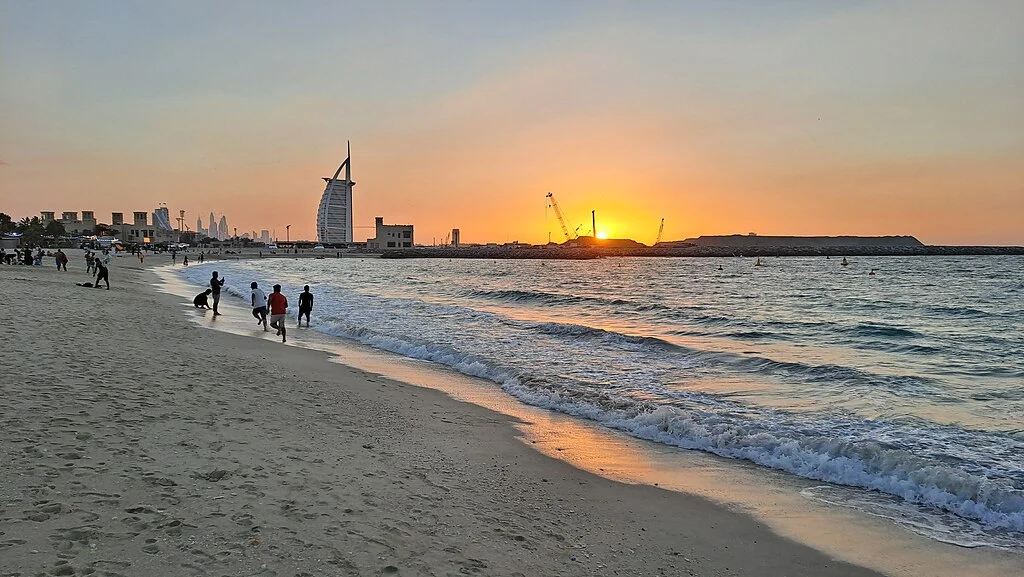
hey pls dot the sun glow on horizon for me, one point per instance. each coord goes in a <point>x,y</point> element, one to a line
<point>602,235</point>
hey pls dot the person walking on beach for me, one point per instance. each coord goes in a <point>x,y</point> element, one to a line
<point>259,305</point>
<point>278,311</point>
<point>88,262</point>
<point>305,304</point>
<point>62,260</point>
<point>200,301</point>
<point>174,257</point>
<point>215,284</point>
<point>185,261</point>
<point>102,274</point>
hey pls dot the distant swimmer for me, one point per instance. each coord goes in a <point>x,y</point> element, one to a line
<point>845,262</point>
<point>259,305</point>
<point>758,263</point>
<point>278,309</point>
<point>305,304</point>
<point>215,284</point>
<point>201,302</point>
<point>719,267</point>
<point>872,273</point>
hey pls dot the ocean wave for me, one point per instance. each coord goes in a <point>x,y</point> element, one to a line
<point>541,297</point>
<point>880,330</point>
<point>900,385</point>
<point>958,312</point>
<point>800,450</point>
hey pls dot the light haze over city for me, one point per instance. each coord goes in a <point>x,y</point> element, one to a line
<point>774,117</point>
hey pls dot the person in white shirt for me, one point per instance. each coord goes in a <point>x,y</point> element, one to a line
<point>259,305</point>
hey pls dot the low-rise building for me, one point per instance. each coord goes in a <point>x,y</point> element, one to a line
<point>140,230</point>
<point>72,224</point>
<point>391,236</point>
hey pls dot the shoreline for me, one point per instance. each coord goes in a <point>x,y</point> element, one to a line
<point>791,506</point>
<point>203,450</point>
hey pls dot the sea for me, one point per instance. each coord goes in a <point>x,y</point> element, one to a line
<point>898,383</point>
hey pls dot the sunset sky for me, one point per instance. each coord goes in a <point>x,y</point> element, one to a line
<point>775,117</point>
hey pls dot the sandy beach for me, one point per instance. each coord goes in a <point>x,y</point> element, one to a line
<point>138,443</point>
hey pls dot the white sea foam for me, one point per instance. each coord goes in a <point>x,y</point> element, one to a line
<point>860,464</point>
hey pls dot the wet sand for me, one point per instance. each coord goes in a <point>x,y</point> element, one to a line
<point>138,443</point>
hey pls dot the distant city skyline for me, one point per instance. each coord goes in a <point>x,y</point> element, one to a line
<point>814,118</point>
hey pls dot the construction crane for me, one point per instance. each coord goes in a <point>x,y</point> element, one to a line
<point>661,229</point>
<point>561,219</point>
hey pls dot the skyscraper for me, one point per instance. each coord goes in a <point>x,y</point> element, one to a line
<point>162,218</point>
<point>222,228</point>
<point>334,217</point>
<point>265,236</point>
<point>199,227</point>
<point>212,231</point>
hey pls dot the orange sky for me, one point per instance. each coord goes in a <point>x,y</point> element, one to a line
<point>849,118</point>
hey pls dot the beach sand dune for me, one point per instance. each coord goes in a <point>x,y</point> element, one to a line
<point>138,443</point>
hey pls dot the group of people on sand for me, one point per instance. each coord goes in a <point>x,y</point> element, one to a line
<point>184,260</point>
<point>274,306</point>
<point>96,265</point>
<point>28,258</point>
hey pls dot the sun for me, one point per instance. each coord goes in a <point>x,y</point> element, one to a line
<point>602,235</point>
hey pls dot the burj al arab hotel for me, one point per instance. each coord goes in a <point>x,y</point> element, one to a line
<point>334,218</point>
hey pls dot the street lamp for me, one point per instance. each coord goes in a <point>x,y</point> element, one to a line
<point>288,232</point>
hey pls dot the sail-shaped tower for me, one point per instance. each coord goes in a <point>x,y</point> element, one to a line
<point>334,217</point>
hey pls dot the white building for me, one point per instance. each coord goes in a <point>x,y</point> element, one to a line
<point>265,236</point>
<point>391,236</point>
<point>222,228</point>
<point>211,231</point>
<point>334,217</point>
<point>162,218</point>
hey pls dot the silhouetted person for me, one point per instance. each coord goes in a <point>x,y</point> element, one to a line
<point>215,284</point>
<point>201,302</point>
<point>102,274</point>
<point>305,304</point>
